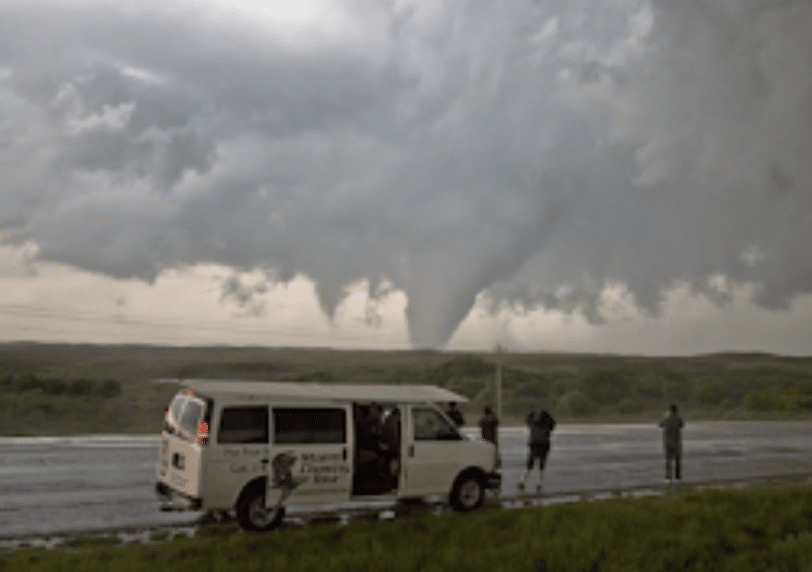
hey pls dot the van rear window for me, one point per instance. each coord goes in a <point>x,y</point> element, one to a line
<point>192,414</point>
<point>183,416</point>
<point>176,407</point>
<point>310,425</point>
<point>243,425</point>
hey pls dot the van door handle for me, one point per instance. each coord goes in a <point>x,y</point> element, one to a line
<point>344,453</point>
<point>411,450</point>
<point>264,461</point>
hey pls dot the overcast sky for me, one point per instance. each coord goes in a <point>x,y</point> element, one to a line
<point>621,176</point>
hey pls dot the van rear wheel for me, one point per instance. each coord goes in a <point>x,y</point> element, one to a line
<point>252,514</point>
<point>468,493</point>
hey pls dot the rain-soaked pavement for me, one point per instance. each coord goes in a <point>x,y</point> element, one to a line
<point>63,484</point>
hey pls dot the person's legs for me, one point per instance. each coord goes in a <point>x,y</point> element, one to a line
<point>531,457</point>
<point>669,457</point>
<point>543,452</point>
<point>677,468</point>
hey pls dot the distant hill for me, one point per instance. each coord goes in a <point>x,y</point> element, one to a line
<point>78,388</point>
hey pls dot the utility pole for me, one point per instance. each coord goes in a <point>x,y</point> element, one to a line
<point>499,382</point>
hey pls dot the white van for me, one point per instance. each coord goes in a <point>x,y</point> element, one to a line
<point>258,446</point>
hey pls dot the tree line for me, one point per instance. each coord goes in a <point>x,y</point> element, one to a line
<point>624,387</point>
<point>26,383</point>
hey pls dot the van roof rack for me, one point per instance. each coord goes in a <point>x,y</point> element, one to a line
<point>324,391</point>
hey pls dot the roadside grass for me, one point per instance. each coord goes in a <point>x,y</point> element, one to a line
<point>769,528</point>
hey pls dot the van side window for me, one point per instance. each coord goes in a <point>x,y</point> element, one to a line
<point>429,425</point>
<point>310,425</point>
<point>243,425</point>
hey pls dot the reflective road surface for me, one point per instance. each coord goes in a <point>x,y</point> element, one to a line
<point>50,484</point>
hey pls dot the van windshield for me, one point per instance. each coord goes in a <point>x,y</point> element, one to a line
<point>184,415</point>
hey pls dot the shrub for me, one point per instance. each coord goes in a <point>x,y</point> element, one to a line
<point>764,400</point>
<point>468,386</point>
<point>319,376</point>
<point>6,382</point>
<point>629,406</point>
<point>54,386</point>
<point>108,389</point>
<point>650,385</point>
<point>468,365</point>
<point>36,401</point>
<point>80,387</point>
<point>25,382</point>
<point>403,375</point>
<point>709,393</point>
<point>530,390</point>
<point>575,402</point>
<point>560,385</point>
<point>801,398</point>
<point>675,385</point>
<point>606,386</point>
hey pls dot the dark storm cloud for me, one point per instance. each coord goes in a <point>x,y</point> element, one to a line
<point>536,151</point>
<point>717,110</point>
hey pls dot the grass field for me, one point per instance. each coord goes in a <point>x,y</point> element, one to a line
<point>61,389</point>
<point>768,529</point>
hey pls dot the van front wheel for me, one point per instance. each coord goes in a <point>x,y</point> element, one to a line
<point>252,514</point>
<point>468,493</point>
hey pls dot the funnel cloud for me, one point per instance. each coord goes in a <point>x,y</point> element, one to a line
<point>531,153</point>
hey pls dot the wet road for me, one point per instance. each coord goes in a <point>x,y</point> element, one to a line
<point>73,483</point>
<point>50,484</point>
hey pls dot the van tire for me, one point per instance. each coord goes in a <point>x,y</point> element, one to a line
<point>468,492</point>
<point>252,514</point>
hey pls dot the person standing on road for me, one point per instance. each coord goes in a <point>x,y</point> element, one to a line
<point>455,414</point>
<point>672,442</point>
<point>489,424</point>
<point>541,425</point>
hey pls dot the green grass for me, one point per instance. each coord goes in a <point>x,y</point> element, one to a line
<point>767,529</point>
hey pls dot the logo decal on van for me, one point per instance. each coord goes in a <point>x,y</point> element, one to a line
<point>282,476</point>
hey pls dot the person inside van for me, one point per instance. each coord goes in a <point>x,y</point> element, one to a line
<point>391,440</point>
<point>374,418</point>
<point>367,448</point>
<point>366,436</point>
<point>377,447</point>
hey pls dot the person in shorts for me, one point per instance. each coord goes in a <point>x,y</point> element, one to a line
<point>541,425</point>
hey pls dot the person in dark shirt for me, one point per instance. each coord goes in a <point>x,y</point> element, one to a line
<point>541,425</point>
<point>489,424</point>
<point>367,438</point>
<point>455,414</point>
<point>672,425</point>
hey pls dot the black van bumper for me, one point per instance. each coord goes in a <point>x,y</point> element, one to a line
<point>172,500</point>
